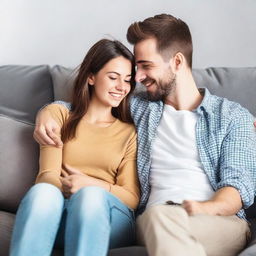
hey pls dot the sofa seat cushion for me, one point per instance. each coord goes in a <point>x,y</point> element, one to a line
<point>6,225</point>
<point>19,155</point>
<point>128,251</point>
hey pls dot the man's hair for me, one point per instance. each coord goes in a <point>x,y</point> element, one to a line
<point>172,35</point>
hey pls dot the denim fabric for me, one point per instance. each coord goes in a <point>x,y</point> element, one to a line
<point>89,223</point>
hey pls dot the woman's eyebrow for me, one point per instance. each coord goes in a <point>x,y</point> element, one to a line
<point>116,73</point>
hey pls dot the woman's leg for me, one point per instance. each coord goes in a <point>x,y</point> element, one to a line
<point>37,221</point>
<point>122,225</point>
<point>93,216</point>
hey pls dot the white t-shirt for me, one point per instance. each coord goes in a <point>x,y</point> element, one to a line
<point>176,170</point>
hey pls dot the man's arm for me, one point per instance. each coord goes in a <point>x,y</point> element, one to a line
<point>225,202</point>
<point>47,130</point>
<point>236,188</point>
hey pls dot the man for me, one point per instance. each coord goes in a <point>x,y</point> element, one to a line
<point>196,151</point>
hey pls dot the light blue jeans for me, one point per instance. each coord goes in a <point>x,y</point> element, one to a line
<point>89,223</point>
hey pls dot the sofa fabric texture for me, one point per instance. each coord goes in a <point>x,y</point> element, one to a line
<point>25,89</point>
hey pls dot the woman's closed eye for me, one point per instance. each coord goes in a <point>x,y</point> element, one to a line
<point>112,78</point>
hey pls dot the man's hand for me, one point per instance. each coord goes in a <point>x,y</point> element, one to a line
<point>73,180</point>
<point>225,202</point>
<point>47,131</point>
<point>194,207</point>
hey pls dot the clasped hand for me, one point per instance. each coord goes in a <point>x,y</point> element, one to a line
<point>73,179</point>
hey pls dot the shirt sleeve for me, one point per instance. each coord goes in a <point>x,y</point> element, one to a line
<point>59,102</point>
<point>127,184</point>
<point>50,160</point>
<point>238,159</point>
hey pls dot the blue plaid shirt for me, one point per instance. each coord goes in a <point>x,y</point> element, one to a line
<point>225,138</point>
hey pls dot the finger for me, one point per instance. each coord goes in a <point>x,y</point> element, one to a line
<point>64,173</point>
<point>65,182</point>
<point>41,136</point>
<point>54,135</point>
<point>254,124</point>
<point>71,170</point>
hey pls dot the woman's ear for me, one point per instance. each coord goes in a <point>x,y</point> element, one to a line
<point>91,79</point>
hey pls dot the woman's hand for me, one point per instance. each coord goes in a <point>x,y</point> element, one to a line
<point>73,180</point>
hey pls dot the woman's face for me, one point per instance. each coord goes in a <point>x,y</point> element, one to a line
<point>112,82</point>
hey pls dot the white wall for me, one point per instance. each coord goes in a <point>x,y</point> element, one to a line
<point>61,31</point>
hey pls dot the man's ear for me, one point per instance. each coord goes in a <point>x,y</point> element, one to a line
<point>177,61</point>
<point>91,79</point>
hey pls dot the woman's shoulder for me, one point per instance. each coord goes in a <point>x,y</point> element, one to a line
<point>59,112</point>
<point>129,127</point>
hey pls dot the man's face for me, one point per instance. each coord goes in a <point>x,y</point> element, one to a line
<point>152,71</point>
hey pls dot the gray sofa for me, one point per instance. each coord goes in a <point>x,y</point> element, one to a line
<point>25,89</point>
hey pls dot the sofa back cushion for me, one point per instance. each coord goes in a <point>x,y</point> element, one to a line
<point>236,84</point>
<point>18,161</point>
<point>63,79</point>
<point>24,90</point>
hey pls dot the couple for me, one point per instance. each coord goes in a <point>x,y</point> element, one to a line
<point>196,157</point>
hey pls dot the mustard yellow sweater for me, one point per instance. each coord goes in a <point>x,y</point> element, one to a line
<point>106,153</point>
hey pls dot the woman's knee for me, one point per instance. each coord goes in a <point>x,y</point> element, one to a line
<point>44,196</point>
<point>90,198</point>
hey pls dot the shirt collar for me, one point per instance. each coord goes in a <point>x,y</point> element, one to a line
<point>206,104</point>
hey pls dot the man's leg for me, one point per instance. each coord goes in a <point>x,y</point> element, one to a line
<point>220,235</point>
<point>168,230</point>
<point>165,231</point>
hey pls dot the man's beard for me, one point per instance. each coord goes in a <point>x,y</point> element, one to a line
<point>163,89</point>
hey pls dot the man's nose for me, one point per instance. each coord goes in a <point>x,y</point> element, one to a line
<point>140,76</point>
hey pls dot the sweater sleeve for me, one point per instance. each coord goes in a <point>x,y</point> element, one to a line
<point>50,160</point>
<point>127,184</point>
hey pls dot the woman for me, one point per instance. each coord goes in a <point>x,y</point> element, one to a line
<point>86,191</point>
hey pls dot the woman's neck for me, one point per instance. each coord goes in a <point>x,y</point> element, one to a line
<point>98,113</point>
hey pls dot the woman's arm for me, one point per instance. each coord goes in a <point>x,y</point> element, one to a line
<point>50,161</point>
<point>127,184</point>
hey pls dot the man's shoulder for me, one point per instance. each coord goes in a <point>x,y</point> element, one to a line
<point>63,104</point>
<point>229,109</point>
<point>139,97</point>
<point>230,114</point>
<point>142,101</point>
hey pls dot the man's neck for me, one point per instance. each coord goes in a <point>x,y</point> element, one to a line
<point>186,95</point>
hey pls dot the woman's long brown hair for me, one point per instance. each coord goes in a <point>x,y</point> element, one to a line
<point>98,55</point>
